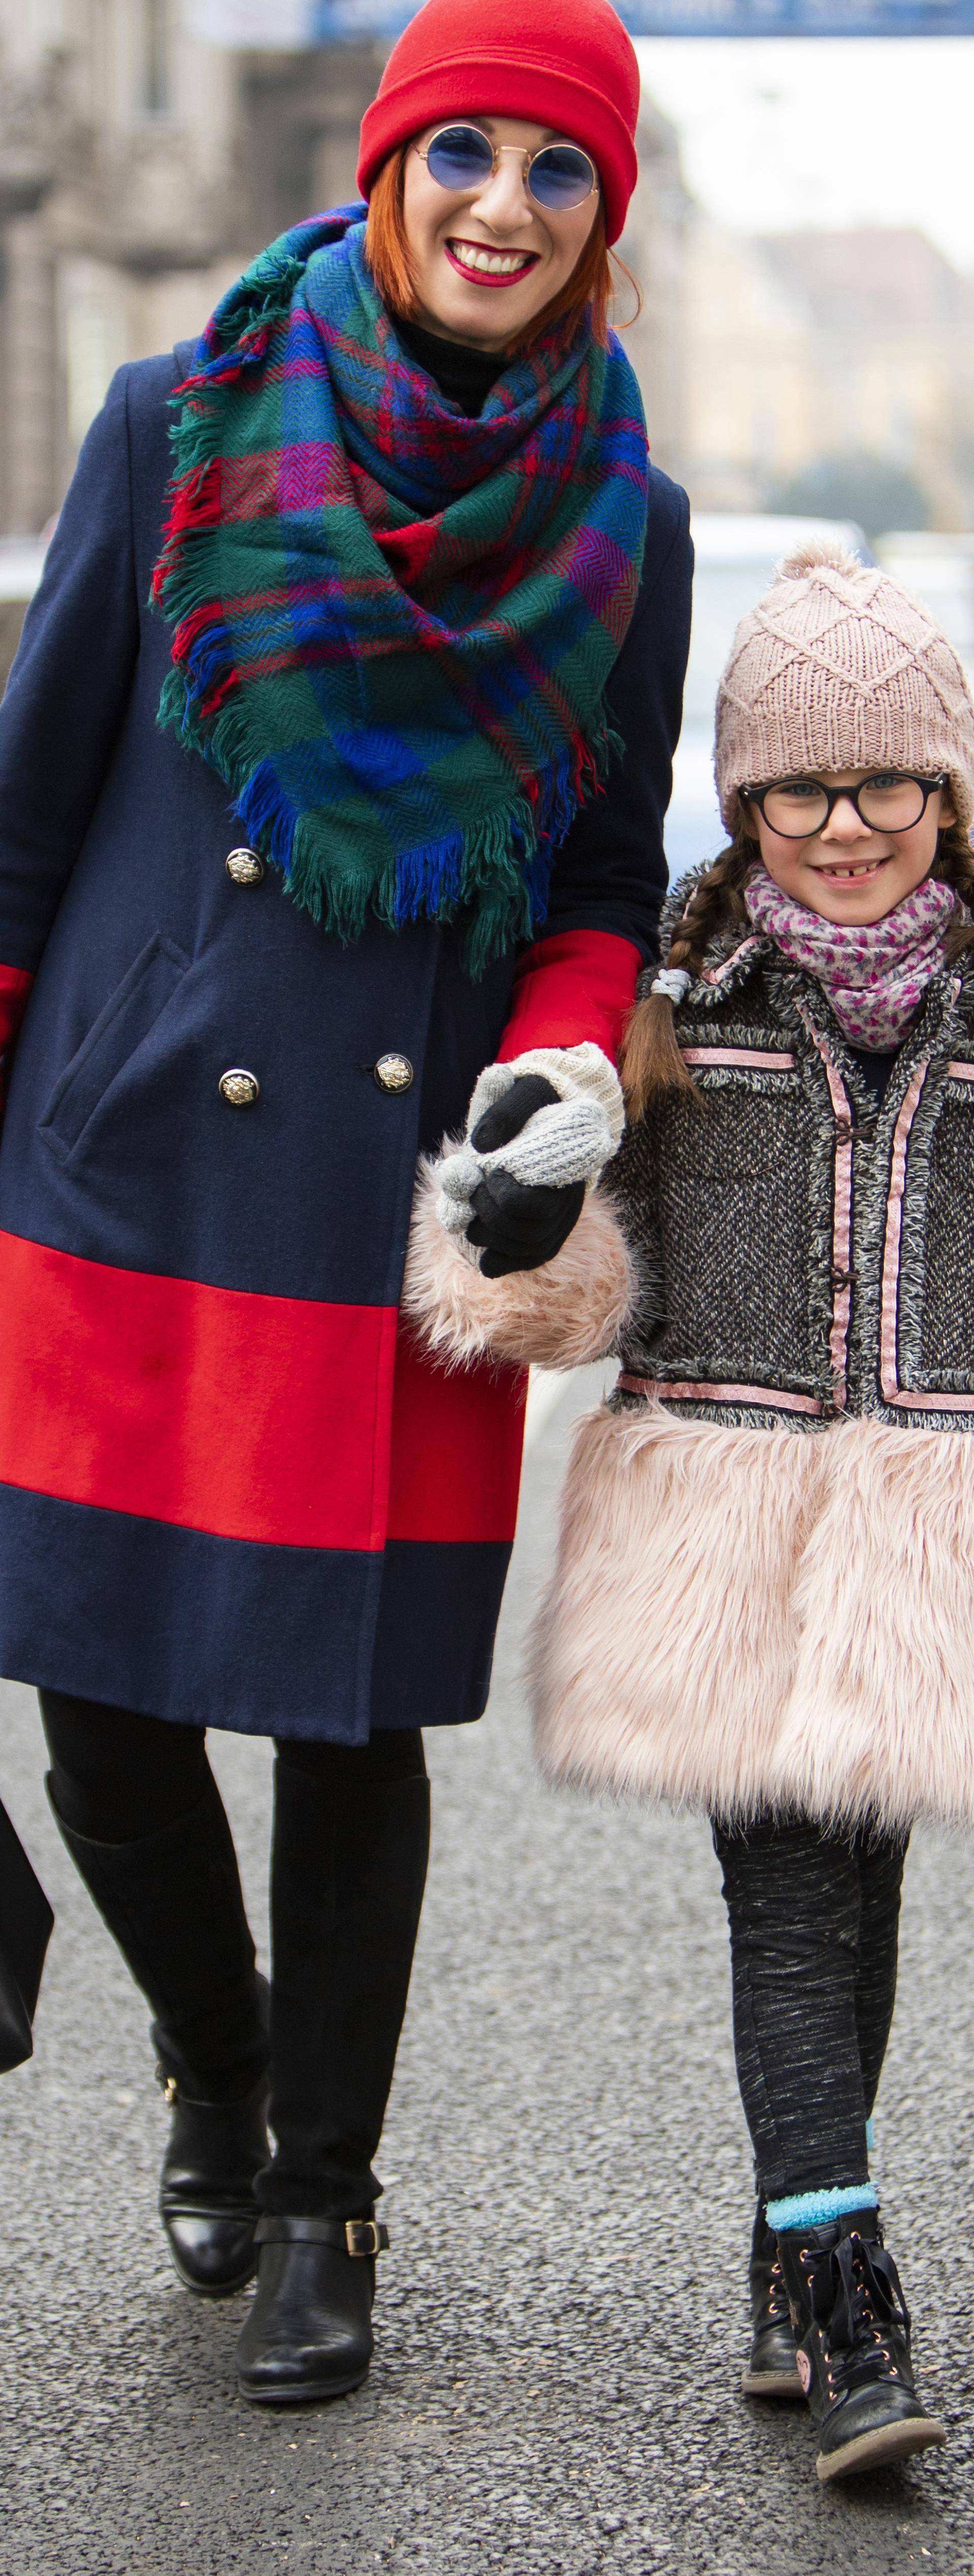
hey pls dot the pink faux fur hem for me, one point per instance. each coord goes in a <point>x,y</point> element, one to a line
<point>569,1311</point>
<point>744,1618</point>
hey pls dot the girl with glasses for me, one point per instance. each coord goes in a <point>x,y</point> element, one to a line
<point>418,593</point>
<point>762,1606</point>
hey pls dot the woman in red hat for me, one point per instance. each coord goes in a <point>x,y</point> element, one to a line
<point>421,612</point>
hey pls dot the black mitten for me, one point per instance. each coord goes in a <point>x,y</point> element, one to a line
<point>518,1228</point>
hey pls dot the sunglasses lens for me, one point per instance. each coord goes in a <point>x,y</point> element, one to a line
<point>561,176</point>
<point>460,157</point>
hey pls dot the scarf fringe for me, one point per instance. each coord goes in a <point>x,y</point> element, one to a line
<point>500,872</point>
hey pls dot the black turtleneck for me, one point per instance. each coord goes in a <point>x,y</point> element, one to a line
<point>464,375</point>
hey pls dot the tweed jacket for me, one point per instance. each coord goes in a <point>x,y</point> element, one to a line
<point>803,1255</point>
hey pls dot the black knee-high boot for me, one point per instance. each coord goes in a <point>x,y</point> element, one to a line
<point>173,1902</point>
<point>351,1841</point>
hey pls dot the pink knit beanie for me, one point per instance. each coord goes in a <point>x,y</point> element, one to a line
<point>839,668</point>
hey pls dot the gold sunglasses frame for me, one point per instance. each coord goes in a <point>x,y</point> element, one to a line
<point>528,160</point>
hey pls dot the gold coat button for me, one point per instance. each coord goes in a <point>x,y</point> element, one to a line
<point>245,867</point>
<point>239,1088</point>
<point>393,1072</point>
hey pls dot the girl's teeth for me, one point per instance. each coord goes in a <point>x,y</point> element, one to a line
<point>847,874</point>
<point>498,263</point>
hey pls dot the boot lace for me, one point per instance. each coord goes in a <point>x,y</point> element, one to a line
<point>868,2320</point>
<point>777,2305</point>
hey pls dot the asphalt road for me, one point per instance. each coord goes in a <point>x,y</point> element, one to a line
<point>561,2320</point>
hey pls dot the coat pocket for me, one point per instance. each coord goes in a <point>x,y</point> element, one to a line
<point>120,1028</point>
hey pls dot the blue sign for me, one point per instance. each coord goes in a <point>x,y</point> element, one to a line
<point>340,21</point>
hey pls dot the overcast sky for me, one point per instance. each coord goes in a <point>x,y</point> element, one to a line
<point>798,131</point>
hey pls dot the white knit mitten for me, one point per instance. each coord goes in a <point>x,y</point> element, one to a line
<point>568,1141</point>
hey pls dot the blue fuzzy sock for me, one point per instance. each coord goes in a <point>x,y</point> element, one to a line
<point>818,2208</point>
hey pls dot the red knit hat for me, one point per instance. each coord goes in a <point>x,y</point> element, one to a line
<point>566,63</point>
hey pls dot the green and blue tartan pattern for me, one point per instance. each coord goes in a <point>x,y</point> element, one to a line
<point>394,625</point>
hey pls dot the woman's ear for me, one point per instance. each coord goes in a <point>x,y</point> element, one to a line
<point>948,810</point>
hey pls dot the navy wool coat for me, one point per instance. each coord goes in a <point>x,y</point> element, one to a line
<point>231,1491</point>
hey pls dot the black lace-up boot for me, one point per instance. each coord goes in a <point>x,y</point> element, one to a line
<point>771,2369</point>
<point>853,2332</point>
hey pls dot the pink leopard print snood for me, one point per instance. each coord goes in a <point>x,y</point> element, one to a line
<point>876,976</point>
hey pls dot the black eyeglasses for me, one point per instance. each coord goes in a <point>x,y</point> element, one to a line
<point>558,176</point>
<point>891,801</point>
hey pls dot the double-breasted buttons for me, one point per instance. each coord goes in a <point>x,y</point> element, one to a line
<point>240,1089</point>
<point>245,867</point>
<point>393,1072</point>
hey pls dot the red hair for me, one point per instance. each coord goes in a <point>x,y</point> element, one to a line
<point>588,289</point>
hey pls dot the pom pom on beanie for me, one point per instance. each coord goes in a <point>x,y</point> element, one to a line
<point>838,667</point>
<point>564,63</point>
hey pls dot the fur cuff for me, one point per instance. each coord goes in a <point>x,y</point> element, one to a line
<point>569,1311</point>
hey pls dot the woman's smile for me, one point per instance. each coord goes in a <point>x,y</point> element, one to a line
<point>488,267</point>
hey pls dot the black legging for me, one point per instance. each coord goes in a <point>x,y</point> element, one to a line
<point>813,1923</point>
<point>141,1813</point>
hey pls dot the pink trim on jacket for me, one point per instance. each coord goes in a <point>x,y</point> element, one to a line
<point>762,1059</point>
<point>841,1216</point>
<point>692,1391</point>
<point>889,1303</point>
<point>716,974</point>
<point>958,1072</point>
<point>889,1375</point>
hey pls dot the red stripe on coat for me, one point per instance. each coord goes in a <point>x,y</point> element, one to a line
<point>579,984</point>
<point>457,1436</point>
<point>15,984</point>
<point>249,1416</point>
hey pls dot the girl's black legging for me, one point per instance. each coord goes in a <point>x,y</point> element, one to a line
<point>139,1808</point>
<point>814,1919</point>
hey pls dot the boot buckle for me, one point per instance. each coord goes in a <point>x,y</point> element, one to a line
<point>365,2236</point>
<point>169,2091</point>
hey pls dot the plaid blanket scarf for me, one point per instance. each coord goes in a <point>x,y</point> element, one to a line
<point>394,625</point>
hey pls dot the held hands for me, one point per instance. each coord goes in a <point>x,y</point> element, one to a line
<point>538,1134</point>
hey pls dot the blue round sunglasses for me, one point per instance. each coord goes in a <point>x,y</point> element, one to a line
<point>461,157</point>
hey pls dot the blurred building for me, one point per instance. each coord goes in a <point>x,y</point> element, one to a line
<point>654,247</point>
<point>810,353</point>
<point>140,166</point>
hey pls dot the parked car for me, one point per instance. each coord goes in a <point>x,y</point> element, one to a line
<point>736,559</point>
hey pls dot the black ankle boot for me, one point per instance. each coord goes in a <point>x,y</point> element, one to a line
<point>309,2332</point>
<point>772,2369</point>
<point>206,2189</point>
<point>853,2332</point>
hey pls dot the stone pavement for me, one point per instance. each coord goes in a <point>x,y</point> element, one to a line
<point>561,2320</point>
